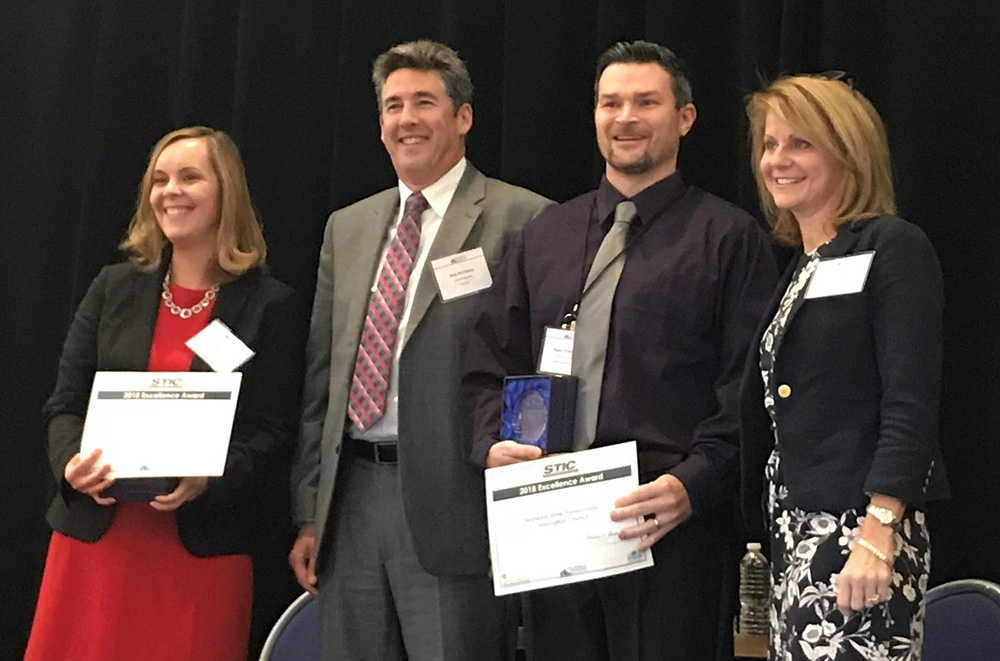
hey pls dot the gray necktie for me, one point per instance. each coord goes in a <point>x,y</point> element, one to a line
<point>593,322</point>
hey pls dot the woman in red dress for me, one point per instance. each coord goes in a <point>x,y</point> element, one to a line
<point>168,575</point>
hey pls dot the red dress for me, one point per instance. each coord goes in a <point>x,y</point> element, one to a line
<point>137,594</point>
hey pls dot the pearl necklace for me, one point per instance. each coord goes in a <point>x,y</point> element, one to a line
<point>185,313</point>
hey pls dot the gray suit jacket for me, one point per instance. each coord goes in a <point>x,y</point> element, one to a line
<point>443,493</point>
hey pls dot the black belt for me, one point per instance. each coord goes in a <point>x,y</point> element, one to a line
<point>380,452</point>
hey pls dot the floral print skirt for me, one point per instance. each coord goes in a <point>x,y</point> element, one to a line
<point>808,550</point>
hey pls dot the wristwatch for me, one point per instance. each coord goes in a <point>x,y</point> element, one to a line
<point>883,515</point>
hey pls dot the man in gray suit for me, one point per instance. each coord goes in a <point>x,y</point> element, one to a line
<point>391,512</point>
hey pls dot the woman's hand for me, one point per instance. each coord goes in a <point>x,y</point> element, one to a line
<point>88,475</point>
<point>864,581</point>
<point>188,488</point>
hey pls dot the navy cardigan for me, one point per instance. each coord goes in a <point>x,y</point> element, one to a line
<point>864,373</point>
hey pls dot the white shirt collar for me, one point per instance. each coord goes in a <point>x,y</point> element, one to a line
<point>440,193</point>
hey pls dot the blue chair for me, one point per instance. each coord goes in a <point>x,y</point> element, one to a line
<point>962,622</point>
<point>295,636</point>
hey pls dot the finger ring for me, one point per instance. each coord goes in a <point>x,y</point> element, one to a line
<point>872,600</point>
<point>656,523</point>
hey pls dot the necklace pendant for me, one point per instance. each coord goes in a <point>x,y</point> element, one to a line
<point>186,313</point>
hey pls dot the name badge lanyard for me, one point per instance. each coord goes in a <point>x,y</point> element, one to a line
<point>569,319</point>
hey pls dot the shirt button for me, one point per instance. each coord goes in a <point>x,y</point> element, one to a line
<point>784,391</point>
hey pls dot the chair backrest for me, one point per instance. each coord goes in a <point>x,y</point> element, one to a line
<point>295,636</point>
<point>962,622</point>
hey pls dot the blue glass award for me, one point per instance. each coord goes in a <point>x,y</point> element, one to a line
<point>539,410</point>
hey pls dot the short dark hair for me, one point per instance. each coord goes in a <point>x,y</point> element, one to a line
<point>425,55</point>
<point>640,52</point>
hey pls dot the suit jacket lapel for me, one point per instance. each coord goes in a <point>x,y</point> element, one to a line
<point>779,293</point>
<point>844,241</point>
<point>841,244</point>
<point>228,307</point>
<point>141,315</point>
<point>458,221</point>
<point>358,259</point>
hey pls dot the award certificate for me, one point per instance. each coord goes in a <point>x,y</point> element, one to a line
<point>550,519</point>
<point>161,424</point>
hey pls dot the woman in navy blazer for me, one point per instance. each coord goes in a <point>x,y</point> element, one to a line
<point>169,575</point>
<point>840,396</point>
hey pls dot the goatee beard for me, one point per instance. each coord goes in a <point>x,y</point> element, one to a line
<point>641,165</point>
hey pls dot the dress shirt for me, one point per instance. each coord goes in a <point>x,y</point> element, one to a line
<point>697,276</point>
<point>438,197</point>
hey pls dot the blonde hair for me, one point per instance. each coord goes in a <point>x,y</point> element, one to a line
<point>239,242</point>
<point>843,124</point>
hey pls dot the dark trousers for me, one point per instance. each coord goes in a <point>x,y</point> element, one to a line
<point>678,610</point>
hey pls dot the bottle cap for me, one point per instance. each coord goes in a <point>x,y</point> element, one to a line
<point>753,546</point>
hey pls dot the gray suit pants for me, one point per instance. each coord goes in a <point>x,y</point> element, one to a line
<point>377,601</point>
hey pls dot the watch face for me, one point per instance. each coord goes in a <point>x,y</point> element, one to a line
<point>531,417</point>
<point>884,516</point>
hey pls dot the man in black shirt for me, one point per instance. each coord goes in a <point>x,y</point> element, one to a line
<point>697,274</point>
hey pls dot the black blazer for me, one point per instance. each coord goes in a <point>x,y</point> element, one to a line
<point>864,371</point>
<point>113,330</point>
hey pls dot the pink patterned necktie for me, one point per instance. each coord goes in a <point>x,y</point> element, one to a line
<point>385,309</point>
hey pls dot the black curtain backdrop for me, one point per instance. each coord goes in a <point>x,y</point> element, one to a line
<point>87,86</point>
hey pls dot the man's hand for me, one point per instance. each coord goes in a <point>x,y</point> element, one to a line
<point>663,503</point>
<point>302,558</point>
<point>188,488</point>
<point>504,453</point>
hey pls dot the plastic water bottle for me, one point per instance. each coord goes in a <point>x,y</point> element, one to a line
<point>755,591</point>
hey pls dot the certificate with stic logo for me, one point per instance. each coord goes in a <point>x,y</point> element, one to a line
<point>161,424</point>
<point>550,519</point>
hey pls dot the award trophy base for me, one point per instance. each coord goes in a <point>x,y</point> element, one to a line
<point>139,489</point>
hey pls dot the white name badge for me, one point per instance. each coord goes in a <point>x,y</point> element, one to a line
<point>840,275</point>
<point>219,347</point>
<point>557,352</point>
<point>462,274</point>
